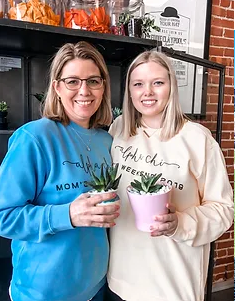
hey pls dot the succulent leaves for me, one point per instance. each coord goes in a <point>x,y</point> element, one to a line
<point>148,184</point>
<point>116,112</point>
<point>40,96</point>
<point>3,106</point>
<point>107,179</point>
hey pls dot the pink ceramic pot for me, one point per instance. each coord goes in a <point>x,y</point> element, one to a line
<point>146,206</point>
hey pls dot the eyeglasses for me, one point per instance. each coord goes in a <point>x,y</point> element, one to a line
<point>75,83</point>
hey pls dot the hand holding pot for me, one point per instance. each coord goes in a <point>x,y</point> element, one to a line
<point>84,212</point>
<point>147,198</point>
<point>166,223</point>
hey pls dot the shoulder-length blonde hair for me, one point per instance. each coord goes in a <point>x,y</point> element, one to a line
<point>53,108</point>
<point>172,117</point>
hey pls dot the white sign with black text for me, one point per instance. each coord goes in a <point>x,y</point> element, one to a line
<point>181,30</point>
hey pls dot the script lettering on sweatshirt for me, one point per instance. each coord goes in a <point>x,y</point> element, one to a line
<point>131,154</point>
<point>134,154</point>
<point>85,164</point>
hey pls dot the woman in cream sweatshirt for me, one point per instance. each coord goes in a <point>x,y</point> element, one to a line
<point>153,136</point>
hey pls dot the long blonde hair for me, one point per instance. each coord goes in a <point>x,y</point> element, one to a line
<point>173,118</point>
<point>53,108</point>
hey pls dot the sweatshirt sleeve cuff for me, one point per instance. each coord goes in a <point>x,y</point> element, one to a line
<point>183,231</point>
<point>59,219</point>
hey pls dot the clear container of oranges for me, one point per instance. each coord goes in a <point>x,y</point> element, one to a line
<point>92,15</point>
<point>46,12</point>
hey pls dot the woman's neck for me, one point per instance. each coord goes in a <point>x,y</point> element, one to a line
<point>154,123</point>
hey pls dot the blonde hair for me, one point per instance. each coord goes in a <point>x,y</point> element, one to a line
<point>53,108</point>
<point>173,118</point>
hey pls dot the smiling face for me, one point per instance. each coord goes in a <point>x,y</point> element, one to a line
<point>82,103</point>
<point>150,89</point>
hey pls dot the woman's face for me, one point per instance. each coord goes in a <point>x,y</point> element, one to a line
<point>83,102</point>
<point>150,89</point>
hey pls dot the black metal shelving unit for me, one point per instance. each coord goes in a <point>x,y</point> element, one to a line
<point>31,40</point>
<point>25,38</point>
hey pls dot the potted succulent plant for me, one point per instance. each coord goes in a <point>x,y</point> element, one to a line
<point>148,197</point>
<point>3,115</point>
<point>116,112</point>
<point>107,181</point>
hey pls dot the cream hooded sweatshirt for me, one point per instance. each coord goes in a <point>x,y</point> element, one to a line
<point>145,268</point>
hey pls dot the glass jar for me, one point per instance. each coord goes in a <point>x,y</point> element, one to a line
<point>2,8</point>
<point>126,17</point>
<point>88,15</point>
<point>46,12</point>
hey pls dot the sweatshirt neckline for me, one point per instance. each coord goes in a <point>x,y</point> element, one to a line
<point>148,131</point>
<point>81,129</point>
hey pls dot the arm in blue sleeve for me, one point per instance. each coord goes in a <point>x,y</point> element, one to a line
<point>22,176</point>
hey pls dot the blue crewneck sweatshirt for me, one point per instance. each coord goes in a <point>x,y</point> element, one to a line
<point>42,173</point>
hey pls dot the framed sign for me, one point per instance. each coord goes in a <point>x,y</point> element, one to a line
<point>184,26</point>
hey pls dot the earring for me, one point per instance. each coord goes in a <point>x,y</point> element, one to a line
<point>59,99</point>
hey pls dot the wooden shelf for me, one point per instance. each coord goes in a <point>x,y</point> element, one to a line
<point>25,38</point>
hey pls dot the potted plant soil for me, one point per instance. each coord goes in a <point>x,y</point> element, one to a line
<point>107,181</point>
<point>3,115</point>
<point>148,197</point>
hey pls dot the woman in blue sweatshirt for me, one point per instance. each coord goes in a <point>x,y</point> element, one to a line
<point>59,243</point>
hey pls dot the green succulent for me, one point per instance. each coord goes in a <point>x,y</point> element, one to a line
<point>116,112</point>
<point>39,96</point>
<point>148,184</point>
<point>3,106</point>
<point>107,179</point>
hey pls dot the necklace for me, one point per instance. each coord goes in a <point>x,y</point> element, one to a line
<point>88,148</point>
